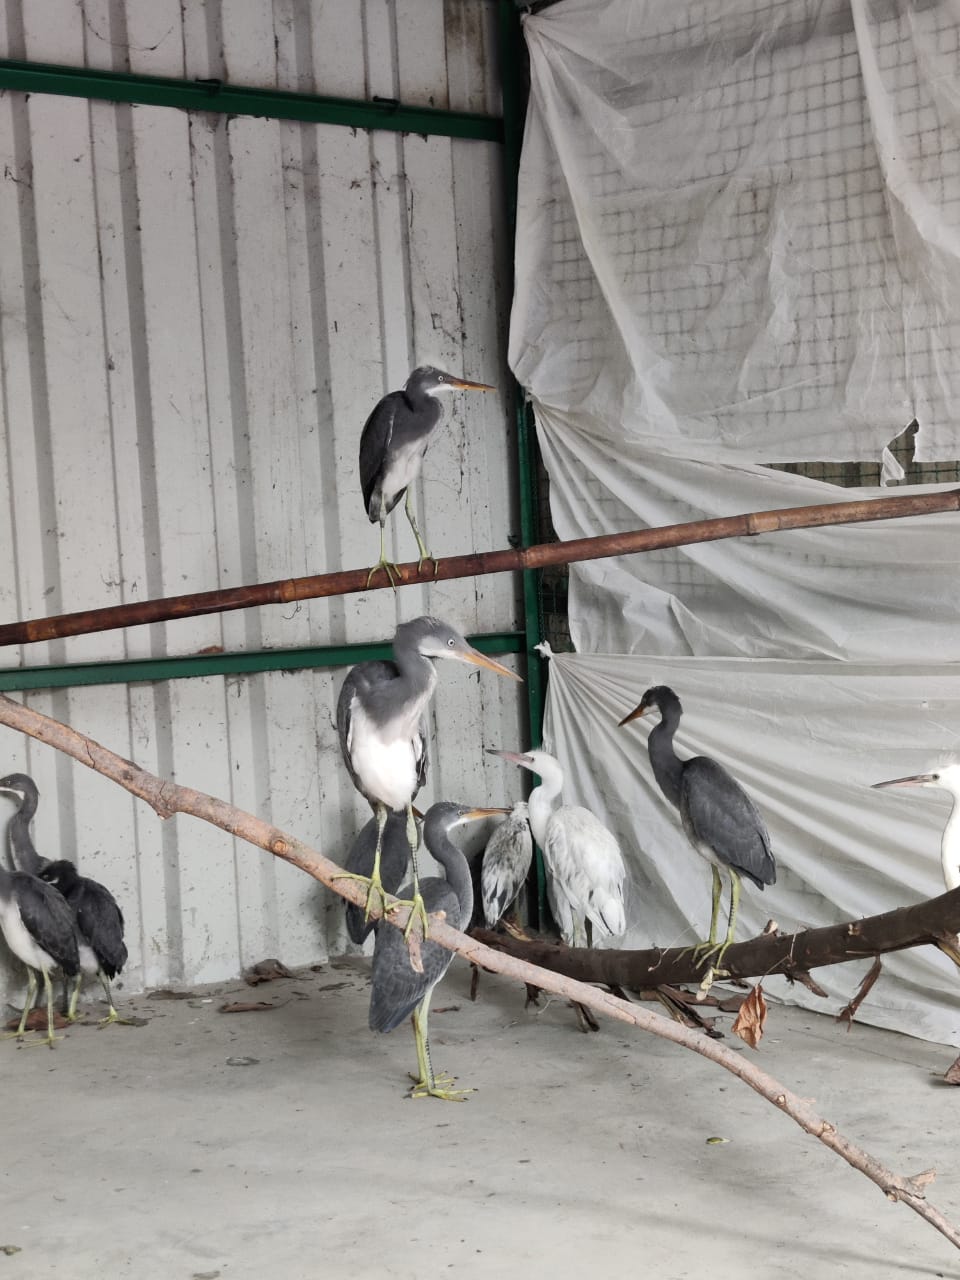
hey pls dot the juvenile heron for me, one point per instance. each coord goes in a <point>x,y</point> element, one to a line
<point>585,870</point>
<point>506,864</point>
<point>945,778</point>
<point>392,445</point>
<point>40,931</point>
<point>396,990</point>
<point>99,920</point>
<point>720,820</point>
<point>99,928</point>
<point>382,728</point>
<point>394,859</point>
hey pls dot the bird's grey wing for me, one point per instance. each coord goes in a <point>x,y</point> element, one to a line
<point>717,812</point>
<point>506,864</point>
<point>374,445</point>
<point>360,682</point>
<point>396,989</point>
<point>48,918</point>
<point>100,922</point>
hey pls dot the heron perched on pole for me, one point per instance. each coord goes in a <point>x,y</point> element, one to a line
<point>382,728</point>
<point>506,864</point>
<point>392,444</point>
<point>584,865</point>
<point>945,777</point>
<point>396,989</point>
<point>98,918</point>
<point>721,821</point>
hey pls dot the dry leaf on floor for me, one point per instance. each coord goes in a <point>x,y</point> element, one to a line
<point>750,1020</point>
<point>266,971</point>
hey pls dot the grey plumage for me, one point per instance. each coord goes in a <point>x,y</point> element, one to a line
<point>25,856</point>
<point>39,929</point>
<point>720,820</point>
<point>393,443</point>
<point>506,863</point>
<point>397,990</point>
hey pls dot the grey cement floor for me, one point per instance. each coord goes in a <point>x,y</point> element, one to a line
<point>142,1152</point>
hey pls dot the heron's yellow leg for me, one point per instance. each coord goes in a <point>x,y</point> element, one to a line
<point>27,1006</point>
<point>430,1085</point>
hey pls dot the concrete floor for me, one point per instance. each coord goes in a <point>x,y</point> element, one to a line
<point>155,1153</point>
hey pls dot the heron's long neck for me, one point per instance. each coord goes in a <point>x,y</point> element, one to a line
<point>419,674</point>
<point>950,847</point>
<point>457,871</point>
<point>25,856</point>
<point>540,801</point>
<point>667,765</point>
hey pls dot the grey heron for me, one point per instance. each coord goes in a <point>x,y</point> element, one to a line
<point>40,931</point>
<point>394,859</point>
<point>396,990</point>
<point>392,445</point>
<point>584,865</point>
<point>99,920</point>
<point>506,863</point>
<point>382,729</point>
<point>720,820</point>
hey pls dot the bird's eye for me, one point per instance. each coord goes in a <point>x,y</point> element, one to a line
<point>441,378</point>
<point>450,643</point>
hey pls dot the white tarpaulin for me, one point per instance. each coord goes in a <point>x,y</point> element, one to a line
<point>738,243</point>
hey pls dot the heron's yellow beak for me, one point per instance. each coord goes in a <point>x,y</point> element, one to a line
<point>473,814</point>
<point>462,384</point>
<point>515,757</point>
<point>469,654</point>
<point>635,714</point>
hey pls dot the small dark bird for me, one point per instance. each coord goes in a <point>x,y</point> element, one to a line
<point>721,821</point>
<point>99,920</point>
<point>99,927</point>
<point>394,860</point>
<point>396,989</point>
<point>394,439</point>
<point>382,729</point>
<point>506,864</point>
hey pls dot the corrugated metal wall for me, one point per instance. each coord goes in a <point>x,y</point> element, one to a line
<point>196,315</point>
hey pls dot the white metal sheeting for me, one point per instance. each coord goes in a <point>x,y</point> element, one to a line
<point>196,315</point>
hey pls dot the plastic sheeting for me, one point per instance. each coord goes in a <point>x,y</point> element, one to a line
<point>806,740</point>
<point>739,243</point>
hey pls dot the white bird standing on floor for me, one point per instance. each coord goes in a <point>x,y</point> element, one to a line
<point>945,778</point>
<point>585,869</point>
<point>506,864</point>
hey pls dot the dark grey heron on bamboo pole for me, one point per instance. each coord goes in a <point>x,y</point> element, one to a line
<point>98,917</point>
<point>396,989</point>
<point>720,820</point>
<point>383,735</point>
<point>394,439</point>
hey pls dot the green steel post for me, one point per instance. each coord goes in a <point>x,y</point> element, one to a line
<point>514,94</point>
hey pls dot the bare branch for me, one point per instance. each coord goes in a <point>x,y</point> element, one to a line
<point>168,798</point>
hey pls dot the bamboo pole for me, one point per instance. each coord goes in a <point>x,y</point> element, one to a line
<point>351,581</point>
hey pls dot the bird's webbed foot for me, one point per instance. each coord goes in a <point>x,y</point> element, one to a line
<point>389,568</point>
<point>418,911</point>
<point>375,889</point>
<point>439,1087</point>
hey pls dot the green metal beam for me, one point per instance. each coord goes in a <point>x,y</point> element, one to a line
<point>236,100</point>
<point>74,675</point>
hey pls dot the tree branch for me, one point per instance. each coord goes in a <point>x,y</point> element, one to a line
<point>793,954</point>
<point>168,798</point>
